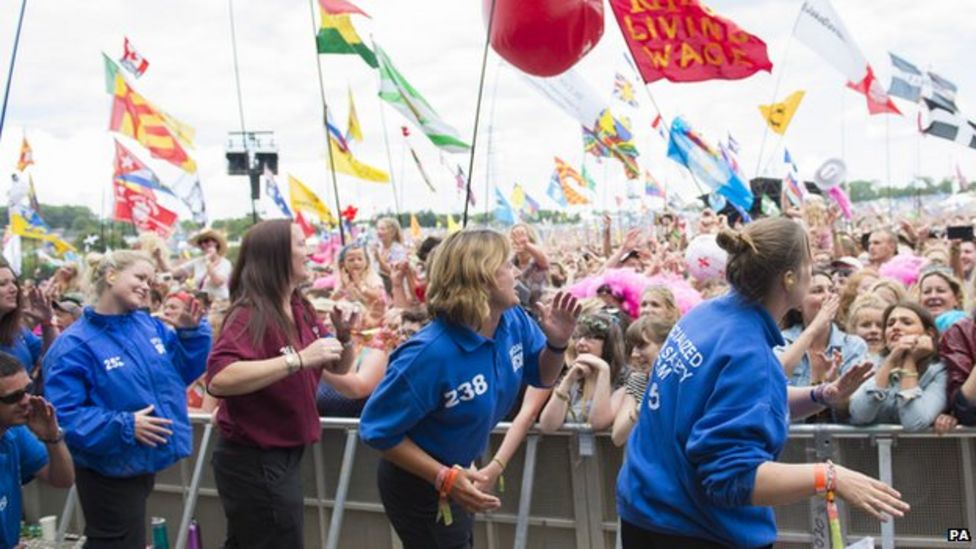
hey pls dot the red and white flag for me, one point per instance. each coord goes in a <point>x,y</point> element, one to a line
<point>823,31</point>
<point>132,60</point>
<point>140,208</point>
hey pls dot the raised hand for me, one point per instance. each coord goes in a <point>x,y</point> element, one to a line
<point>37,309</point>
<point>828,310</point>
<point>41,419</point>
<point>191,315</point>
<point>558,320</point>
<point>343,321</point>
<point>840,390</point>
<point>151,430</point>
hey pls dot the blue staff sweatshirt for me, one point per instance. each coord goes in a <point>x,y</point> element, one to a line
<point>714,410</point>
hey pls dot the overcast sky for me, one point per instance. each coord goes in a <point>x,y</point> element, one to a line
<point>58,96</point>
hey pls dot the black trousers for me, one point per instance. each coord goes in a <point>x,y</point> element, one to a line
<point>261,491</point>
<point>411,505</point>
<point>114,508</point>
<point>635,537</point>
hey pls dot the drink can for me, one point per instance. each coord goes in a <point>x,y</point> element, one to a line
<point>159,535</point>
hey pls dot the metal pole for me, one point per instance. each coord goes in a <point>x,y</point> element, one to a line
<point>69,510</point>
<point>525,495</point>
<point>885,476</point>
<point>325,126</point>
<point>345,473</point>
<point>13,59</point>
<point>477,112</point>
<point>191,500</point>
<point>320,488</point>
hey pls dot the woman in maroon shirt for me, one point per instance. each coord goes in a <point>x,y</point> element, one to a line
<point>266,367</point>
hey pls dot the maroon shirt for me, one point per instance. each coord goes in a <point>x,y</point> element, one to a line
<point>283,414</point>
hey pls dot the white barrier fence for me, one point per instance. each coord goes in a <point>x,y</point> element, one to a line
<point>560,490</point>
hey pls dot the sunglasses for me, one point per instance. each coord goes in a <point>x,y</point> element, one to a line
<point>17,396</point>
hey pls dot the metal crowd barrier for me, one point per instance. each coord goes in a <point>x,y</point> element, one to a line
<point>560,490</point>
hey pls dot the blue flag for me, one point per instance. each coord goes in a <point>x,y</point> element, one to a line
<point>555,190</point>
<point>271,189</point>
<point>687,148</point>
<point>504,212</point>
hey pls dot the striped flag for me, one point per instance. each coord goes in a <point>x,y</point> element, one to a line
<point>906,79</point>
<point>791,184</point>
<point>395,90</point>
<point>651,186</point>
<point>938,120</point>
<point>336,33</point>
<point>26,156</point>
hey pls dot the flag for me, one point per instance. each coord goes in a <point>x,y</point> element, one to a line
<point>690,150</point>
<point>306,227</point>
<point>504,213</point>
<point>778,115</point>
<point>592,145</point>
<point>531,205</point>
<point>937,120</point>
<point>555,190</point>
<point>353,130</point>
<point>271,190</point>
<point>733,144</point>
<point>943,91</point>
<point>344,162</point>
<point>768,206</point>
<point>336,33</point>
<point>190,192</point>
<point>522,202</point>
<point>132,60</point>
<point>27,227</point>
<point>821,29</point>
<point>415,231</point>
<point>420,168</point>
<point>623,90</point>
<point>304,200</point>
<point>130,170</point>
<point>138,206</point>
<point>26,156</point>
<point>731,158</point>
<point>651,186</point>
<point>878,100</point>
<point>185,133</point>
<point>452,225</point>
<point>906,79</point>
<point>615,135</point>
<point>590,182</point>
<point>395,90</point>
<point>133,116</point>
<point>658,126</point>
<point>568,174</point>
<point>567,179</point>
<point>795,191</point>
<point>32,195</point>
<point>462,184</point>
<point>687,42</point>
<point>12,250</point>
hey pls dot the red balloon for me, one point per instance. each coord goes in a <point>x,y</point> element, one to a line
<point>545,37</point>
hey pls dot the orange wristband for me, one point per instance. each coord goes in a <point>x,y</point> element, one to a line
<point>820,478</point>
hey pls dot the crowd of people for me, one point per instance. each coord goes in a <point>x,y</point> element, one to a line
<point>433,341</point>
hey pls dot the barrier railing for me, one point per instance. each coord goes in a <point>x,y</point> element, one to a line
<point>575,505</point>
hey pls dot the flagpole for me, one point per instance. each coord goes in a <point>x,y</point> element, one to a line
<point>664,120</point>
<point>779,79</point>
<point>325,126</point>
<point>13,59</point>
<point>477,112</point>
<point>389,160</point>
<point>888,167</point>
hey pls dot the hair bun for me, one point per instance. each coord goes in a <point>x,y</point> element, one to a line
<point>735,242</point>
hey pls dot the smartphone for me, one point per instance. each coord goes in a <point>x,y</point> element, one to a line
<point>865,241</point>
<point>961,232</point>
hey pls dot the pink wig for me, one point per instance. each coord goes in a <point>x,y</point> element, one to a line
<point>904,268</point>
<point>629,285</point>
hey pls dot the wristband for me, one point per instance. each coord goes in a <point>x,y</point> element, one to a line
<point>558,350</point>
<point>443,507</point>
<point>561,396</point>
<point>441,475</point>
<point>499,462</point>
<point>57,438</point>
<point>820,478</point>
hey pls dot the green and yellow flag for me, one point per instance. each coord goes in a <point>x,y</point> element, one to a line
<point>337,35</point>
<point>778,115</point>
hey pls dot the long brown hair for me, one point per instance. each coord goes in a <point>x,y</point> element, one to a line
<point>10,323</point>
<point>262,277</point>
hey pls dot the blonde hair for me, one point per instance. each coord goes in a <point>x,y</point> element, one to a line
<point>462,272</point>
<point>866,301</point>
<point>393,224</point>
<point>529,231</point>
<point>150,242</point>
<point>889,284</point>
<point>667,298</point>
<point>114,262</point>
